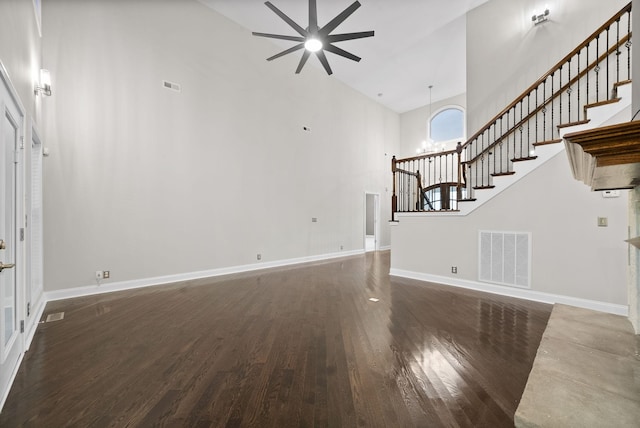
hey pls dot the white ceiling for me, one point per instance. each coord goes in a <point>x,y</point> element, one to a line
<point>417,43</point>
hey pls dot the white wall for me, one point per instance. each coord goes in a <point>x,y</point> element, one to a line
<point>506,53</point>
<point>571,255</point>
<point>413,124</point>
<point>20,50</point>
<point>146,182</point>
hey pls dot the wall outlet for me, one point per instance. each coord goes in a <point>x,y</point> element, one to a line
<point>99,274</point>
<point>106,274</point>
<point>341,247</point>
<point>454,269</point>
<point>259,257</point>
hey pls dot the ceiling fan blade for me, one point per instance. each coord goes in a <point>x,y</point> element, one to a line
<point>328,28</point>
<point>303,61</point>
<point>279,36</point>
<point>323,60</point>
<point>336,50</point>
<point>286,19</point>
<point>349,36</point>
<point>313,16</point>
<point>313,31</point>
<point>288,51</point>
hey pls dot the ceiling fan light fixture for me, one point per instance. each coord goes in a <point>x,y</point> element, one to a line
<point>315,38</point>
<point>313,45</point>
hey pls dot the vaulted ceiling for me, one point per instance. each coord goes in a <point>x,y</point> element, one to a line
<point>417,43</point>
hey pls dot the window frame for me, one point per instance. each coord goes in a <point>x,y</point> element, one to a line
<point>453,141</point>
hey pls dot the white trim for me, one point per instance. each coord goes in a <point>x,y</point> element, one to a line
<point>34,319</point>
<point>453,141</point>
<point>90,290</point>
<point>19,220</point>
<point>36,143</point>
<point>12,378</point>
<point>13,93</point>
<point>519,293</point>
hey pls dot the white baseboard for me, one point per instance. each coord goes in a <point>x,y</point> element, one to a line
<point>90,290</point>
<point>521,293</point>
<point>31,331</point>
<point>12,378</point>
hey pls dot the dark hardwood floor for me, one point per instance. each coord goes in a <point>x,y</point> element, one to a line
<point>299,346</point>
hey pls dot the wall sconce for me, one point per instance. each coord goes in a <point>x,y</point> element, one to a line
<point>540,18</point>
<point>44,86</point>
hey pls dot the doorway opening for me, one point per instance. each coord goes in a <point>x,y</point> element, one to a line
<point>371,223</point>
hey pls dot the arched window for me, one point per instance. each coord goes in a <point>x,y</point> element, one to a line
<point>446,127</point>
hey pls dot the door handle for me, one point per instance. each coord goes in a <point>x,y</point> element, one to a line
<point>4,266</point>
<point>2,244</point>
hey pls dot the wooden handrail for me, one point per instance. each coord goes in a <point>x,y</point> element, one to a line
<point>553,70</point>
<point>404,171</point>
<point>427,155</point>
<point>549,100</point>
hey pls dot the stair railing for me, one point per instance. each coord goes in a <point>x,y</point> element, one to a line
<point>588,76</point>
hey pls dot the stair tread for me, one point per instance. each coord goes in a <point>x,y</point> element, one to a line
<point>566,125</point>
<point>544,143</point>
<point>601,103</point>
<point>467,200</point>
<point>500,174</point>
<point>528,158</point>
<point>622,82</point>
<point>483,187</point>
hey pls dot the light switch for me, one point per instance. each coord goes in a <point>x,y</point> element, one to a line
<point>603,222</point>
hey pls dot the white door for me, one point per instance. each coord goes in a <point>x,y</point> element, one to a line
<point>11,343</point>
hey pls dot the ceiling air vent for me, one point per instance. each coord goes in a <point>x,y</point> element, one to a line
<point>170,85</point>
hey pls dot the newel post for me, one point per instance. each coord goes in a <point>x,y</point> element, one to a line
<point>459,152</point>
<point>394,197</point>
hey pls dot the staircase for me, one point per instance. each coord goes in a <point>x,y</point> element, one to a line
<point>582,91</point>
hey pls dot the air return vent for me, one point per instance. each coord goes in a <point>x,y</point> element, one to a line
<point>170,85</point>
<point>58,316</point>
<point>505,258</point>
